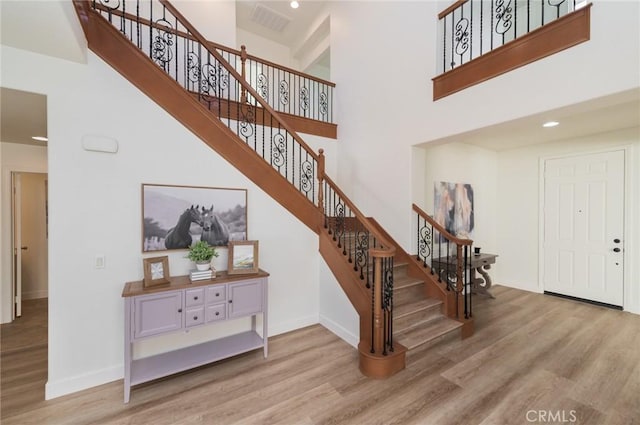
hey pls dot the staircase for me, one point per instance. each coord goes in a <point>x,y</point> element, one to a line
<point>152,45</point>
<point>418,320</point>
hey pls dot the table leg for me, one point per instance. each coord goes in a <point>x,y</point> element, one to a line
<point>482,285</point>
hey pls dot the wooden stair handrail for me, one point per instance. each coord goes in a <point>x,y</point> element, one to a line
<point>272,64</point>
<point>200,39</point>
<point>451,8</point>
<point>441,229</point>
<point>117,12</point>
<point>387,246</point>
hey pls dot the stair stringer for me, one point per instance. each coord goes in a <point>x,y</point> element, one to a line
<point>106,42</point>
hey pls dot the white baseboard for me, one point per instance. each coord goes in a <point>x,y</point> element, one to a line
<point>32,295</point>
<point>82,382</point>
<point>340,331</point>
<point>292,325</point>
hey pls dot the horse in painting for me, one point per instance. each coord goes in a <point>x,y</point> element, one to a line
<point>179,237</point>
<point>214,230</point>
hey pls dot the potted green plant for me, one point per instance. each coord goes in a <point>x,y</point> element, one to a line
<point>201,253</point>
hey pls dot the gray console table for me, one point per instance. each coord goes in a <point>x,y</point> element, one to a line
<point>479,263</point>
<point>182,305</point>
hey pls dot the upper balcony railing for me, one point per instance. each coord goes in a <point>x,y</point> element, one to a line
<point>284,89</point>
<point>469,29</point>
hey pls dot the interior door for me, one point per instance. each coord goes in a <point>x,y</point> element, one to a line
<point>584,227</point>
<point>16,225</point>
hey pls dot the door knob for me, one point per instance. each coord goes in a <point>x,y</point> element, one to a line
<point>616,240</point>
<point>616,249</point>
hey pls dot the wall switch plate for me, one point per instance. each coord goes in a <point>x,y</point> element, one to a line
<point>99,262</point>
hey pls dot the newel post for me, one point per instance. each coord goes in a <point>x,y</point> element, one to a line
<point>377,343</point>
<point>321,180</point>
<point>243,59</point>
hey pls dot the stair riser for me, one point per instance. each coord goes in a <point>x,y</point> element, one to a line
<point>408,294</point>
<point>451,336</point>
<point>408,320</point>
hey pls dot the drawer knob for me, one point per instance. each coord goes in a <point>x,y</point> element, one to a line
<point>217,313</point>
<point>195,317</point>
<point>195,298</point>
<point>230,301</point>
<point>217,294</point>
<point>179,310</point>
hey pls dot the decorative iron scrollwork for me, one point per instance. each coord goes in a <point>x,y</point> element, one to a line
<point>503,16</point>
<point>462,36</point>
<point>387,287</point>
<point>306,176</point>
<point>111,4</point>
<point>362,252</point>
<point>304,98</point>
<point>324,104</point>
<point>161,51</point>
<point>284,92</point>
<point>424,244</point>
<point>263,87</point>
<point>278,150</point>
<point>247,121</point>
<point>213,79</point>
<point>338,211</point>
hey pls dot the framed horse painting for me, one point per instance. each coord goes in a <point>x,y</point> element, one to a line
<point>175,217</point>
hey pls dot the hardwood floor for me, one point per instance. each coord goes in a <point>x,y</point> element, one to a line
<point>533,359</point>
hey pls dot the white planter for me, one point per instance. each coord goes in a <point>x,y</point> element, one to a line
<point>203,266</point>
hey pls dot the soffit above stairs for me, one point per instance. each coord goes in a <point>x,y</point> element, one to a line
<point>47,27</point>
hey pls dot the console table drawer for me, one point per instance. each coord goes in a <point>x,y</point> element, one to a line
<point>194,317</point>
<point>194,297</point>
<point>216,312</point>
<point>216,293</point>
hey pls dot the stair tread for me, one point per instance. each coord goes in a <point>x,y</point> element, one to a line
<point>413,306</point>
<point>406,282</point>
<point>426,331</point>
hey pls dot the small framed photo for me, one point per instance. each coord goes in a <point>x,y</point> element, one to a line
<point>156,271</point>
<point>243,257</point>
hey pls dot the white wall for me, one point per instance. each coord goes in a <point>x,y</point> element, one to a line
<point>215,20</point>
<point>15,157</point>
<point>462,163</point>
<point>518,200</point>
<point>265,49</point>
<point>95,210</point>
<point>383,73</point>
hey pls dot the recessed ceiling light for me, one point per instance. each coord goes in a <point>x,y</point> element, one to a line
<point>294,4</point>
<point>550,124</point>
<point>40,138</point>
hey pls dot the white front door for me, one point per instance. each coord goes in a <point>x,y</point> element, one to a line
<point>583,227</point>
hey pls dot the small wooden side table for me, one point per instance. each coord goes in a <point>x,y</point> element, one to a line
<point>479,264</point>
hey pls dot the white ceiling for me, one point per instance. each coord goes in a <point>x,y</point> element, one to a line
<point>294,33</point>
<point>21,117</point>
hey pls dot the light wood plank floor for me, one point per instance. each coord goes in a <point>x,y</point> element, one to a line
<point>533,358</point>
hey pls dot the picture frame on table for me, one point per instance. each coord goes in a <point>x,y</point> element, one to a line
<point>156,271</point>
<point>243,257</point>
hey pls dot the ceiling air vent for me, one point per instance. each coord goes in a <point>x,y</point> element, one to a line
<point>269,18</point>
